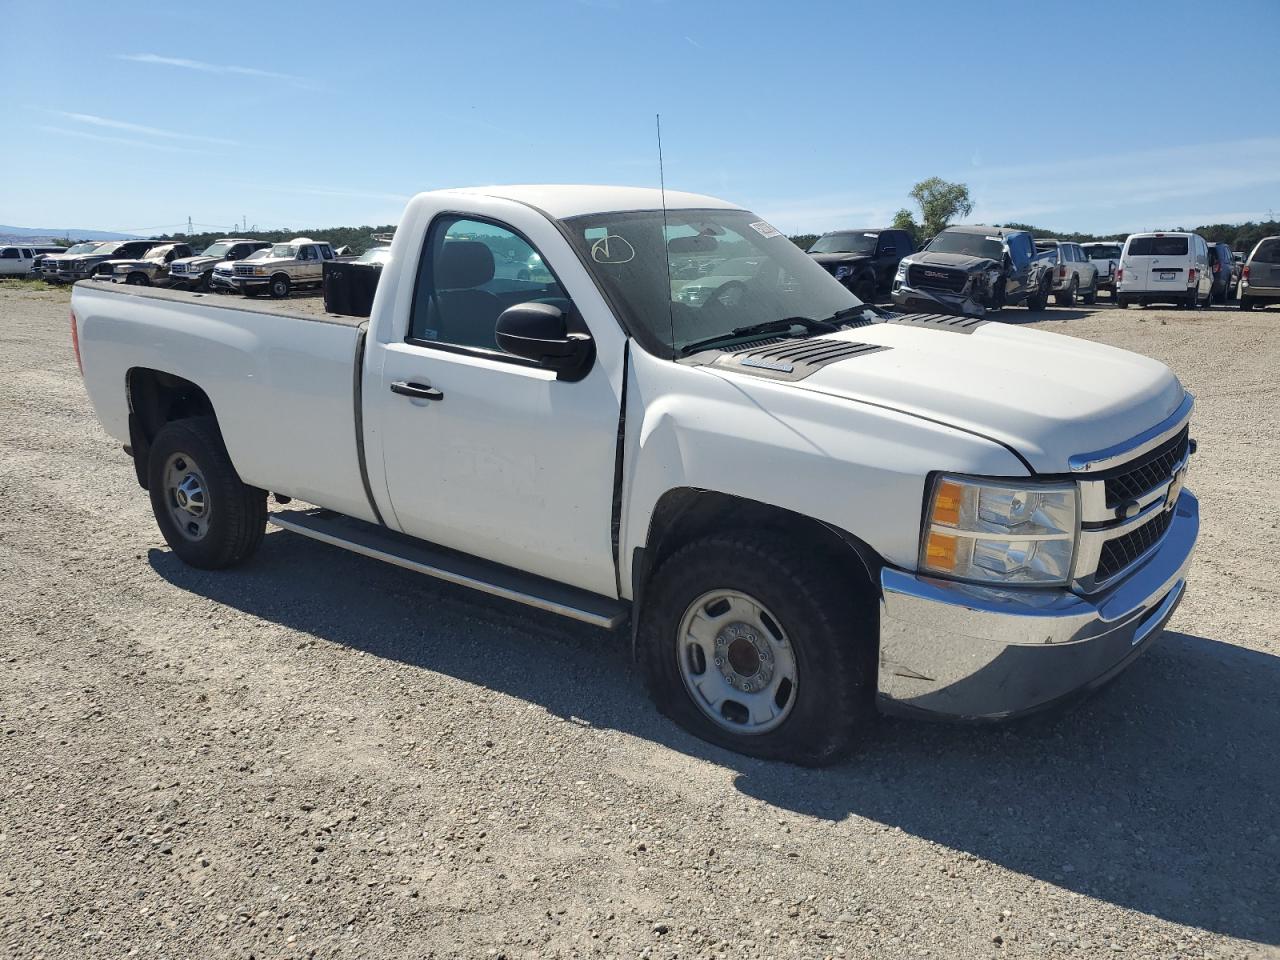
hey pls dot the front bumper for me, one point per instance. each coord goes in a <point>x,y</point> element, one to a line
<point>936,301</point>
<point>959,651</point>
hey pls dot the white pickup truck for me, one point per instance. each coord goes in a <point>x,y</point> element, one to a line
<point>806,507</point>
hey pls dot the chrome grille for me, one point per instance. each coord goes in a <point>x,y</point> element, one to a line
<point>1122,551</point>
<point>243,270</point>
<point>1149,471</point>
<point>937,278</point>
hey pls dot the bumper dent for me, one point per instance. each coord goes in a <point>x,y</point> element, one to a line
<point>969,652</point>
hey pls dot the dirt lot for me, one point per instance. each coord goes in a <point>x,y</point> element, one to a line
<point>320,755</point>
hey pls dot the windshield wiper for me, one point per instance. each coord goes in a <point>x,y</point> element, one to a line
<point>754,329</point>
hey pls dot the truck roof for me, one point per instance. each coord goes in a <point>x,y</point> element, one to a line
<point>563,200</point>
<point>977,228</point>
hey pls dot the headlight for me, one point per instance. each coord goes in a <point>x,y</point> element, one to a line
<point>843,271</point>
<point>902,270</point>
<point>259,271</point>
<point>995,531</point>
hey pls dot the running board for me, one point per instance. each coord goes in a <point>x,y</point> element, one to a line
<point>495,579</point>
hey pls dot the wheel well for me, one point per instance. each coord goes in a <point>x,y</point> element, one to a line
<point>686,513</point>
<point>156,398</point>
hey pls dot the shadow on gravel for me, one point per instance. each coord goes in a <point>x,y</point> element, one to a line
<point>1160,794</point>
<point>1017,316</point>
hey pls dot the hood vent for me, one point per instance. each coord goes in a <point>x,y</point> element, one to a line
<point>936,321</point>
<point>793,360</point>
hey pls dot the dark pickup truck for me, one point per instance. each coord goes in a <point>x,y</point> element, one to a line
<point>972,270</point>
<point>863,260</point>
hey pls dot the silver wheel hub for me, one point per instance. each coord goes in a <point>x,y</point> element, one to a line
<point>736,662</point>
<point>186,495</point>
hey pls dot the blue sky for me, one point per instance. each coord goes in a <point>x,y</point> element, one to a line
<point>815,115</point>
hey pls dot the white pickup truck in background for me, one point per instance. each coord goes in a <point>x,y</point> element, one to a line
<point>806,507</point>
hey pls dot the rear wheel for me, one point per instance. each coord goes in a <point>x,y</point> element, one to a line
<point>757,646</point>
<point>1040,299</point>
<point>138,280</point>
<point>208,516</point>
<point>1091,297</point>
<point>1067,298</point>
<point>1246,303</point>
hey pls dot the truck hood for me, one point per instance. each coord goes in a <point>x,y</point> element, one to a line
<point>957,261</point>
<point>1045,395</point>
<point>201,262</point>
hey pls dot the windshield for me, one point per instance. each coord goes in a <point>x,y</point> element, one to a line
<point>106,248</point>
<point>845,243</point>
<point>1105,252</point>
<point>259,254</point>
<point>157,253</point>
<point>703,274</point>
<point>285,250</point>
<point>375,255</point>
<point>967,244</point>
<point>82,248</point>
<point>217,250</point>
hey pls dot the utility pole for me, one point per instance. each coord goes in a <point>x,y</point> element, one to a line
<point>189,225</point>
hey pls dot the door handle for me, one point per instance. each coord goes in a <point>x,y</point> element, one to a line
<point>419,391</point>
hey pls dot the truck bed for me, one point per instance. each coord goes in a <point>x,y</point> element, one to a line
<point>281,375</point>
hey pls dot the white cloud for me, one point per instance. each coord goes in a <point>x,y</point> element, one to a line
<point>125,141</point>
<point>138,128</point>
<point>204,67</point>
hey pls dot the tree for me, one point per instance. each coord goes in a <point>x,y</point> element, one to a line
<point>902,220</point>
<point>803,240</point>
<point>940,203</point>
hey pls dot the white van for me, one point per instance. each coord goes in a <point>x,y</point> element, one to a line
<point>1164,268</point>
<point>20,259</point>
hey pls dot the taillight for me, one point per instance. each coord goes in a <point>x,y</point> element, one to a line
<point>1244,274</point>
<point>1191,276</point>
<point>75,342</point>
<point>1062,271</point>
<point>1119,273</point>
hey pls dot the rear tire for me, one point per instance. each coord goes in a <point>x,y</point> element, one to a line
<point>138,280</point>
<point>209,517</point>
<point>1246,303</point>
<point>791,614</point>
<point>1091,297</point>
<point>1068,297</point>
<point>1040,300</point>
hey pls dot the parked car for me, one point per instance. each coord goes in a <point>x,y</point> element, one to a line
<point>1237,264</point>
<point>803,505</point>
<point>866,260</point>
<point>22,260</point>
<point>350,284</point>
<point>1074,273</point>
<point>1260,276</point>
<point>970,270</point>
<point>1220,266</point>
<point>71,269</point>
<point>1105,255</point>
<point>1164,268</point>
<point>196,272</point>
<point>51,265</point>
<point>289,266</point>
<point>223,280</point>
<point>152,269</point>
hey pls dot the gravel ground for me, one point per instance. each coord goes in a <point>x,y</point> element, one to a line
<point>318,755</point>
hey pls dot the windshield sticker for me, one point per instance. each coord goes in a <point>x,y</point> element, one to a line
<point>612,249</point>
<point>765,230</point>
<point>871,235</point>
<point>992,239</point>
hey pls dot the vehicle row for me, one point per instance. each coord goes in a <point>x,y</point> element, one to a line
<point>972,270</point>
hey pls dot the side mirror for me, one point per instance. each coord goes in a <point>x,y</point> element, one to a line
<point>539,332</point>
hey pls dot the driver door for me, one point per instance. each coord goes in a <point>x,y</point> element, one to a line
<point>495,456</point>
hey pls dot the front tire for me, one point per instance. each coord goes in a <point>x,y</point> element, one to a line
<point>756,646</point>
<point>279,286</point>
<point>209,517</point>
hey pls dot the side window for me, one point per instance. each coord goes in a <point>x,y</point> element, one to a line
<point>326,252</point>
<point>471,271</point>
<point>308,252</point>
<point>1268,252</point>
<point>888,244</point>
<point>9,253</point>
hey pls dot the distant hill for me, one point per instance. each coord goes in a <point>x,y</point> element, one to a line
<point>10,234</point>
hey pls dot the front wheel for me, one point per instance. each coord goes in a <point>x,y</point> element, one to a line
<point>756,646</point>
<point>866,290</point>
<point>209,517</point>
<point>279,286</point>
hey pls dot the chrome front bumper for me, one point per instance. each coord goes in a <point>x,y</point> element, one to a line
<point>960,651</point>
<point>941,301</point>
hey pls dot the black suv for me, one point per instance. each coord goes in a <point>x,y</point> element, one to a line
<point>863,260</point>
<point>970,270</point>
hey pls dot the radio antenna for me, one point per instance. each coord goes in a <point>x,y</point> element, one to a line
<point>666,255</point>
